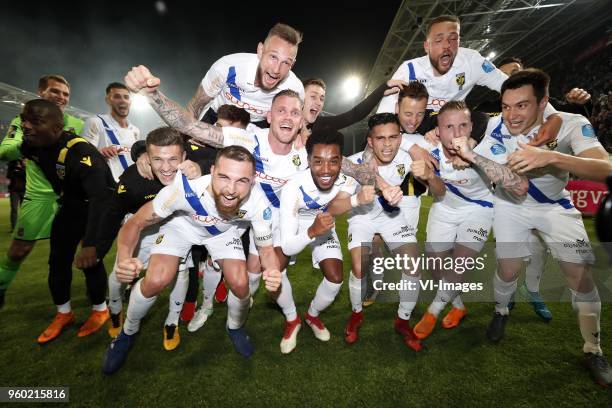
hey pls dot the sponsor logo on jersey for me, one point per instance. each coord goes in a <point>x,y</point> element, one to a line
<point>487,66</point>
<point>498,148</point>
<point>206,219</point>
<point>588,131</point>
<point>60,169</point>
<point>297,162</point>
<point>460,80</point>
<point>267,214</point>
<point>159,239</point>
<point>86,161</point>
<point>436,103</point>
<point>552,144</point>
<point>121,189</point>
<point>401,170</point>
<point>245,105</point>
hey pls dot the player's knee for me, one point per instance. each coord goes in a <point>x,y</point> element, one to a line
<point>335,277</point>
<point>19,250</point>
<point>154,283</point>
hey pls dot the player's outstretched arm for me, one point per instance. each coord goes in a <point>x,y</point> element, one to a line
<point>592,164</point>
<point>129,234</point>
<point>293,241</point>
<point>271,266</point>
<point>366,176</point>
<point>498,173</point>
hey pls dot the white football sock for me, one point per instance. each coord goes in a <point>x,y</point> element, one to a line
<point>254,279</point>
<point>285,298</point>
<point>99,307</point>
<point>177,297</point>
<point>589,312</point>
<point>137,309</point>
<point>65,308</point>
<point>325,295</point>
<point>210,281</point>
<point>458,303</point>
<point>440,300</point>
<point>237,311</point>
<point>355,292</point>
<point>503,292</point>
<point>408,297</point>
<point>115,291</point>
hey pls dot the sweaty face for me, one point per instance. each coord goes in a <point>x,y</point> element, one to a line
<point>119,101</point>
<point>325,162</point>
<point>442,45</point>
<point>385,141</point>
<point>313,103</point>
<point>39,128</point>
<point>276,57</point>
<point>452,124</point>
<point>510,68</point>
<point>231,184</point>
<point>520,109</point>
<point>285,119</point>
<point>56,92</point>
<point>165,161</point>
<point>411,112</point>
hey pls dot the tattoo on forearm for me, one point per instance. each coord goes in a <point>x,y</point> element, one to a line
<point>502,175</point>
<point>360,172</point>
<point>198,102</point>
<point>177,117</point>
<point>368,155</point>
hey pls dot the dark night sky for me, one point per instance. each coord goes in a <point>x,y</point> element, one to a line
<point>94,44</point>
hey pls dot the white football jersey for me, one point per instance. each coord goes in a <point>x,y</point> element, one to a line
<point>469,69</point>
<point>272,170</point>
<point>411,139</point>
<point>393,173</point>
<point>464,188</point>
<point>546,185</point>
<point>231,81</point>
<point>301,201</point>
<point>189,198</point>
<point>103,131</point>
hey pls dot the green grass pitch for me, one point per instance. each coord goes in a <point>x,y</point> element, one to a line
<point>537,364</point>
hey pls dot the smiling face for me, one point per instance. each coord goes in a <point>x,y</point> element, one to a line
<point>521,110</point>
<point>411,112</point>
<point>325,162</point>
<point>119,101</point>
<point>56,92</point>
<point>385,141</point>
<point>313,102</point>
<point>40,128</point>
<point>231,184</point>
<point>285,119</point>
<point>442,45</point>
<point>165,161</point>
<point>276,58</point>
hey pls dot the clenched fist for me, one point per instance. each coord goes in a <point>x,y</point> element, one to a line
<point>140,79</point>
<point>323,223</point>
<point>128,269</point>
<point>421,170</point>
<point>366,195</point>
<point>272,279</point>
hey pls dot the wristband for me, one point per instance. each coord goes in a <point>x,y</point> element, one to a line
<point>354,201</point>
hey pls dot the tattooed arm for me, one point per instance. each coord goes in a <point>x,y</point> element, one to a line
<point>198,102</point>
<point>368,177</point>
<point>499,174</point>
<point>140,80</point>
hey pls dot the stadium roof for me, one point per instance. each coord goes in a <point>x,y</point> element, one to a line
<point>12,99</point>
<point>534,30</point>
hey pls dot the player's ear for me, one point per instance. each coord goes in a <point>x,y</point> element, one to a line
<point>184,155</point>
<point>397,108</point>
<point>212,168</point>
<point>369,139</point>
<point>543,102</point>
<point>260,49</point>
<point>269,116</point>
<point>426,46</point>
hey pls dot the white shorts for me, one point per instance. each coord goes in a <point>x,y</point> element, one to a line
<point>396,229</point>
<point>468,226</point>
<point>562,230</point>
<point>325,247</point>
<point>179,235</point>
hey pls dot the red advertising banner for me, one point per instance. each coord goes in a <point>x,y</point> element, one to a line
<point>587,195</point>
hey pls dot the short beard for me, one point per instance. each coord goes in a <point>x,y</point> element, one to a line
<point>435,65</point>
<point>314,179</point>
<point>224,211</point>
<point>259,78</point>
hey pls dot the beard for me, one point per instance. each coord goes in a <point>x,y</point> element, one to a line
<point>224,210</point>
<point>436,65</point>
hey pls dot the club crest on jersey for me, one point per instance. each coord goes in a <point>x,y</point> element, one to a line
<point>297,162</point>
<point>552,144</point>
<point>267,214</point>
<point>86,161</point>
<point>60,169</point>
<point>487,66</point>
<point>159,239</point>
<point>588,131</point>
<point>401,170</point>
<point>241,213</point>
<point>498,148</point>
<point>121,189</point>
<point>460,80</point>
